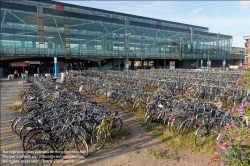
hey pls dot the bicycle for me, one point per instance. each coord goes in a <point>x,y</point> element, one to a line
<point>210,128</point>
<point>110,125</point>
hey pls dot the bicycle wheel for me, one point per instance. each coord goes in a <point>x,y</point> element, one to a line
<point>170,122</point>
<point>126,106</point>
<point>224,136</point>
<point>68,140</point>
<point>99,92</point>
<point>26,128</point>
<point>112,99</point>
<point>215,130</point>
<point>139,106</point>
<point>116,128</point>
<point>41,153</point>
<point>81,145</point>
<point>19,123</point>
<point>166,120</point>
<point>31,137</point>
<point>98,138</point>
<point>200,135</point>
<point>176,122</point>
<point>13,122</point>
<point>185,127</point>
<point>151,120</point>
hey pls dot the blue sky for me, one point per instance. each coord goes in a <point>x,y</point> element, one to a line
<point>224,17</point>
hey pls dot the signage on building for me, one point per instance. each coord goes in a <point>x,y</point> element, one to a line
<point>34,62</point>
<point>59,7</point>
<point>159,23</point>
<point>172,64</point>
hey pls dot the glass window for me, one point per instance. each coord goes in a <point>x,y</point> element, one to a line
<point>43,4</point>
<point>25,2</point>
<point>75,10</point>
<point>82,11</point>
<point>32,3</point>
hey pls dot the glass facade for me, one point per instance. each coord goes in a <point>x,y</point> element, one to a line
<point>48,29</point>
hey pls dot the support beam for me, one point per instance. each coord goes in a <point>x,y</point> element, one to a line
<point>27,24</point>
<point>3,20</point>
<point>58,31</point>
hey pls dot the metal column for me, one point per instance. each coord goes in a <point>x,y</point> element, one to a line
<point>55,67</point>
<point>126,35</point>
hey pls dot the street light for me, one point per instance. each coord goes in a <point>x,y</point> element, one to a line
<point>127,50</point>
<point>208,61</point>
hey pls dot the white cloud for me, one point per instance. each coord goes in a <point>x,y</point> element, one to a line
<point>194,12</point>
<point>245,5</point>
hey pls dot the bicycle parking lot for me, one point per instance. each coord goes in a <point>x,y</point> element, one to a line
<point>159,96</point>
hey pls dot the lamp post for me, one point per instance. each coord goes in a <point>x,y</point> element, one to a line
<point>127,51</point>
<point>208,61</point>
<point>126,42</point>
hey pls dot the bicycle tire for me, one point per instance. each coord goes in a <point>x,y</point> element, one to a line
<point>19,123</point>
<point>185,127</point>
<point>138,106</point>
<point>99,134</point>
<point>111,100</point>
<point>170,121</point>
<point>99,92</point>
<point>200,135</point>
<point>12,124</point>
<point>215,130</point>
<point>81,145</point>
<point>38,151</point>
<point>117,126</point>
<point>126,106</point>
<point>150,120</point>
<point>176,124</point>
<point>24,128</point>
<point>31,137</point>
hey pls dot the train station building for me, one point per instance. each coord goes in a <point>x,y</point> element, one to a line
<point>36,31</point>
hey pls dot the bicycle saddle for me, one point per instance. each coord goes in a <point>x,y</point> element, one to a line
<point>32,98</point>
<point>42,121</point>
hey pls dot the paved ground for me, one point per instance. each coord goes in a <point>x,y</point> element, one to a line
<point>9,140</point>
<point>136,150</point>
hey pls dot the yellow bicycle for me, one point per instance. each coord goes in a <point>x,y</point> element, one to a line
<point>109,126</point>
